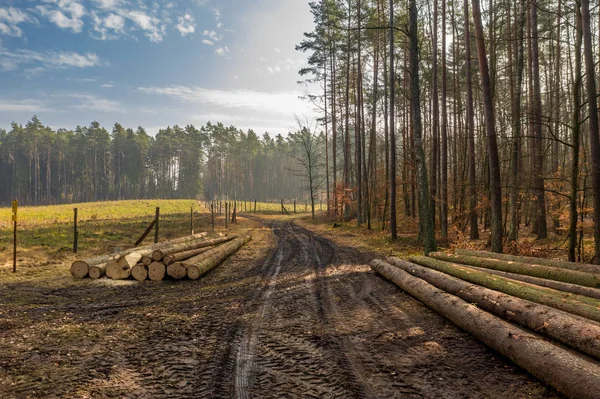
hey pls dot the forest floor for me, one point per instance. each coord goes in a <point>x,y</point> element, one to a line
<point>295,313</point>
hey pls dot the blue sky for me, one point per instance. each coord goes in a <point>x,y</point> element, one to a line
<point>153,63</point>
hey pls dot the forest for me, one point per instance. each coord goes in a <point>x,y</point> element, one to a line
<point>39,165</point>
<point>461,115</point>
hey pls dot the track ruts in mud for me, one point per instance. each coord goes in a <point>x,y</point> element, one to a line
<point>309,320</point>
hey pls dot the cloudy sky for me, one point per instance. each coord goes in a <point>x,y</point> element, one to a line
<point>153,63</point>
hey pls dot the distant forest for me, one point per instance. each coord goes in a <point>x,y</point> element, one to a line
<point>39,165</point>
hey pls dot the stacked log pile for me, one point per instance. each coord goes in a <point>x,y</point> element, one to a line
<point>174,258</point>
<point>544,315</point>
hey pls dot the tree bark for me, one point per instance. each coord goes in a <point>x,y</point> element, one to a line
<point>474,228</point>
<point>593,120</point>
<point>574,331</point>
<point>428,228</point>
<point>572,303</point>
<point>565,370</point>
<point>490,126</point>
<point>202,264</point>
<point>582,267</point>
<point>159,254</point>
<point>392,110</point>
<point>528,269</point>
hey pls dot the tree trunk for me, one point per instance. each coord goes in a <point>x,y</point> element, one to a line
<point>516,125</point>
<point>529,269</point>
<point>97,271</point>
<point>538,155</point>
<point>435,154</point>
<point>201,264</point>
<point>428,229</point>
<point>140,272</point>
<point>159,254</point>
<point>180,256</point>
<point>474,228</point>
<point>575,131</point>
<point>177,270</point>
<point>582,267</point>
<point>156,271</point>
<point>581,379</point>
<point>574,331</point>
<point>593,120</point>
<point>490,126</point>
<point>392,111</point>
<point>542,282</point>
<point>444,132</point>
<point>572,303</point>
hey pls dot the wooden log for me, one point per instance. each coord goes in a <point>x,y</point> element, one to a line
<point>146,260</point>
<point>542,282</point>
<point>572,374</point>
<point>202,264</point>
<point>574,331</point>
<point>572,303</point>
<point>112,266</point>
<point>180,256</point>
<point>529,269</point>
<point>582,267</point>
<point>81,265</point>
<point>130,260</point>
<point>160,253</point>
<point>177,270</point>
<point>157,271</point>
<point>79,269</point>
<point>140,272</point>
<point>97,271</point>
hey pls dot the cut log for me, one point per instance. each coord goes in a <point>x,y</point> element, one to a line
<point>160,253</point>
<point>156,271</point>
<point>542,282</point>
<point>529,269</point>
<point>140,272</point>
<point>572,374</point>
<point>146,260</point>
<point>582,267</point>
<point>130,260</point>
<point>574,331</point>
<point>572,303</point>
<point>202,264</point>
<point>97,271</point>
<point>180,256</point>
<point>79,269</point>
<point>177,270</point>
<point>82,265</point>
<point>111,268</point>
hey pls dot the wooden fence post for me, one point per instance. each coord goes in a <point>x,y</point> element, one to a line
<point>75,231</point>
<point>212,213</point>
<point>156,224</point>
<point>294,207</point>
<point>226,213</point>
<point>192,220</point>
<point>15,205</point>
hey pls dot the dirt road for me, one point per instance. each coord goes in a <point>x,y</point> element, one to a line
<point>308,320</point>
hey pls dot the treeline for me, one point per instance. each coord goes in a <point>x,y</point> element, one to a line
<point>39,165</point>
<point>464,115</point>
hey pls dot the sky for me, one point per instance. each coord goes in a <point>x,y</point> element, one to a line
<point>154,63</point>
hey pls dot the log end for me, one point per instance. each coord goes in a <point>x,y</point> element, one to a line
<point>97,271</point>
<point>157,255</point>
<point>79,269</point>
<point>177,270</point>
<point>193,272</point>
<point>156,271</point>
<point>140,272</point>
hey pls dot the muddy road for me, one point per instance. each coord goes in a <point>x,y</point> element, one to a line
<point>306,320</point>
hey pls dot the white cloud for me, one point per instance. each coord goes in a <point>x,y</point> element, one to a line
<point>109,27</point>
<point>212,35</point>
<point>93,103</point>
<point>29,105</point>
<point>59,17</point>
<point>10,18</point>
<point>222,51</point>
<point>206,41</point>
<point>277,50</point>
<point>284,103</point>
<point>107,85</point>
<point>186,25</point>
<point>108,4</point>
<point>152,26</point>
<point>10,60</point>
